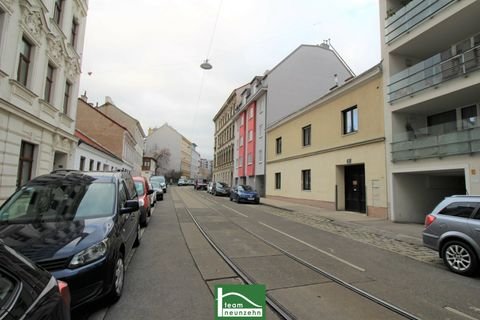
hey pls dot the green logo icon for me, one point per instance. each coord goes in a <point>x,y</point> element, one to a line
<point>236,301</point>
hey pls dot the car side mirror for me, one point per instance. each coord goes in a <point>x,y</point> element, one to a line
<point>130,206</point>
<point>149,192</point>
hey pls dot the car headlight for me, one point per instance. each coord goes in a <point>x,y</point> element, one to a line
<point>141,202</point>
<point>90,254</point>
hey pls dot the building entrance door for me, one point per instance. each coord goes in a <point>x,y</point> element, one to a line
<point>355,188</point>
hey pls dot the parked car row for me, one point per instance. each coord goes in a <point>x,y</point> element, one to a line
<point>72,232</point>
<point>239,193</point>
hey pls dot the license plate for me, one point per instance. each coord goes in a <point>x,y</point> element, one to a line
<point>251,198</point>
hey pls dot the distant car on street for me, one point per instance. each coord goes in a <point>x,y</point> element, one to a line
<point>220,189</point>
<point>182,182</point>
<point>200,184</point>
<point>453,229</point>
<point>244,193</point>
<point>143,192</point>
<point>158,189</point>
<point>29,292</point>
<point>161,180</point>
<point>80,226</point>
<point>210,187</point>
<point>153,196</point>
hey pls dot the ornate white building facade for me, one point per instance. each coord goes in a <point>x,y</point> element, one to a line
<point>41,45</point>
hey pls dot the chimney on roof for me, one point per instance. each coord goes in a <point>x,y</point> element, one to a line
<point>84,97</point>
<point>325,45</point>
<point>108,100</point>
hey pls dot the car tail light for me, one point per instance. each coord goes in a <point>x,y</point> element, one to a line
<point>64,292</point>
<point>429,219</point>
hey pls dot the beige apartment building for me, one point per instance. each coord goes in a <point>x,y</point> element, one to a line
<point>224,152</point>
<point>186,157</point>
<point>332,152</point>
<point>431,56</point>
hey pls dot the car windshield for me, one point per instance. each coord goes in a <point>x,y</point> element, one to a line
<point>160,179</point>
<point>140,188</point>
<point>156,184</point>
<point>245,188</point>
<point>57,202</point>
<point>222,185</point>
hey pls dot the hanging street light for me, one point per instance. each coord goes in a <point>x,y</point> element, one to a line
<point>206,65</point>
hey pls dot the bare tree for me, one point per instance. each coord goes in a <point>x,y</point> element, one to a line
<point>162,159</point>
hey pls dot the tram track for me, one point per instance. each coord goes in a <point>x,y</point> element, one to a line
<point>273,303</point>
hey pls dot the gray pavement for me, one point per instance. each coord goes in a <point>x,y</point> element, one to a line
<point>400,238</point>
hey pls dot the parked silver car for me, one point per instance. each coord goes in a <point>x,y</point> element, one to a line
<point>453,229</point>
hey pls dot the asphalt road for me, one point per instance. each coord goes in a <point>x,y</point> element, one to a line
<point>172,273</point>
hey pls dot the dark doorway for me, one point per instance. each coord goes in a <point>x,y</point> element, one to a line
<point>355,188</point>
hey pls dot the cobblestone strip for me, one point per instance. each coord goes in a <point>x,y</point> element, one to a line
<point>363,235</point>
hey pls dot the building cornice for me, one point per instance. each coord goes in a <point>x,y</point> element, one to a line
<point>328,150</point>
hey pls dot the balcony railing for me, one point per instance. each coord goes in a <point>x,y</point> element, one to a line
<point>431,72</point>
<point>409,16</point>
<point>436,142</point>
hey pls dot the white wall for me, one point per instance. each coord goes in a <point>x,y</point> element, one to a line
<point>166,137</point>
<point>90,153</point>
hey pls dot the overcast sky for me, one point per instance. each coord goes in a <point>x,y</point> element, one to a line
<point>145,54</point>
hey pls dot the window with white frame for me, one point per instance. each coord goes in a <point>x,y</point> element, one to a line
<point>74,32</point>
<point>260,156</point>
<point>250,135</point>
<point>2,24</point>
<point>241,120</point>
<point>66,98</point>
<point>240,142</point>
<point>49,83</point>
<point>350,120</point>
<point>57,11</point>
<point>24,61</point>
<point>249,158</point>
<point>260,131</point>
<point>250,111</point>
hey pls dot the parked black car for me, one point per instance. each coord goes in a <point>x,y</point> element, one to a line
<point>244,193</point>
<point>220,189</point>
<point>29,292</point>
<point>79,226</point>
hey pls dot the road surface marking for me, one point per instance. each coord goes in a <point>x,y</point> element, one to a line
<point>315,248</point>
<point>460,313</point>
<point>238,212</point>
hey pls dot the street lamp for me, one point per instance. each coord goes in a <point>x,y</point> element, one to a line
<point>206,65</point>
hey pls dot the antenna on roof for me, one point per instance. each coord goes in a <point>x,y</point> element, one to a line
<point>327,42</point>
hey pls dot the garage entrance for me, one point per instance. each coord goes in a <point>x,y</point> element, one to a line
<point>355,199</point>
<point>415,194</point>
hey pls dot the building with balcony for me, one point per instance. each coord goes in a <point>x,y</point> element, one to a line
<point>431,54</point>
<point>41,44</point>
<point>331,153</point>
<point>305,75</point>
<point>223,159</point>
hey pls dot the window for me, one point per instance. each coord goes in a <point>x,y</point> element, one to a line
<point>98,166</point>
<point>73,36</point>
<point>278,180</point>
<point>2,21</point>
<point>459,209</point>
<point>49,83</point>
<point>241,141</point>
<point>250,113</point>
<point>260,131</point>
<point>250,135</point>
<point>278,145</point>
<point>249,158</point>
<point>82,163</point>
<point>25,164</point>
<point>260,156</point>
<point>241,120</point>
<point>469,117</point>
<point>350,120</point>
<point>306,131</point>
<point>57,11</point>
<point>442,122</point>
<point>90,167</point>
<point>240,162</point>
<point>24,62</point>
<point>68,88</point>
<point>306,180</point>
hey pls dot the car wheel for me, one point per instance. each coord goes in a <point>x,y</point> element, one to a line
<point>144,219</point>
<point>118,279</point>
<point>161,198</point>
<point>230,198</point>
<point>138,237</point>
<point>459,258</point>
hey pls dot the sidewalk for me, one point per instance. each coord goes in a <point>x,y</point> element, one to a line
<point>407,232</point>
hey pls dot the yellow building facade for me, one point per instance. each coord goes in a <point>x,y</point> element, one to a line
<point>332,152</point>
